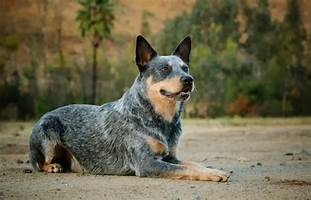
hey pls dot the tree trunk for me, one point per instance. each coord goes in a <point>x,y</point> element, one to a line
<point>93,98</point>
<point>44,32</point>
<point>59,31</point>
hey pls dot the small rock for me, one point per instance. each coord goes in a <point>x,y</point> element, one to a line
<point>19,161</point>
<point>192,186</point>
<point>252,165</point>
<point>282,164</point>
<point>267,178</point>
<point>27,171</point>
<point>231,172</point>
<point>288,154</point>
<point>17,134</point>
<point>58,189</point>
<point>259,164</point>
<point>21,127</point>
<point>27,161</point>
<point>243,159</point>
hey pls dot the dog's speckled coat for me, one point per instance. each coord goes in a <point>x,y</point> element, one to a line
<point>135,135</point>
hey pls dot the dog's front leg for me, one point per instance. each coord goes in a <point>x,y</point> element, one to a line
<point>172,158</point>
<point>201,167</point>
<point>159,168</point>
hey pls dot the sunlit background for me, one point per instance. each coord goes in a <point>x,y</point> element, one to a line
<point>249,58</point>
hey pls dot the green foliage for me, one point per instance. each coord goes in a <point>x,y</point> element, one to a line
<point>95,17</point>
<point>169,37</point>
<point>262,74</point>
<point>213,22</point>
<point>253,68</point>
<point>260,30</point>
<point>145,26</point>
<point>10,42</point>
<point>96,20</point>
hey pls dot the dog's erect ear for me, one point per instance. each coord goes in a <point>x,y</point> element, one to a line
<point>183,49</point>
<point>144,53</point>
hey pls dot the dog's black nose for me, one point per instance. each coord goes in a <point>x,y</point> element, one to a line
<point>187,80</point>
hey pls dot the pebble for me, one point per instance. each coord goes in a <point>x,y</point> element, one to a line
<point>243,159</point>
<point>17,134</point>
<point>19,161</point>
<point>27,171</point>
<point>21,127</point>
<point>267,178</point>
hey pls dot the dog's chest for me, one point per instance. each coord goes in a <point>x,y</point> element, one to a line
<point>167,133</point>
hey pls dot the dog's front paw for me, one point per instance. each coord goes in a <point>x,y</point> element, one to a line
<point>217,175</point>
<point>53,168</point>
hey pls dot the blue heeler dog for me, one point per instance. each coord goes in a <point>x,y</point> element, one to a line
<point>135,135</point>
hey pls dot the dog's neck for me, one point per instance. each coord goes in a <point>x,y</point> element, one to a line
<point>135,102</point>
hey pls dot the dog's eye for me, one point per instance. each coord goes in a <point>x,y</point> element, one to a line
<point>166,68</point>
<point>185,68</point>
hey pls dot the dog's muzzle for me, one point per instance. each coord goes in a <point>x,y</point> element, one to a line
<point>184,94</point>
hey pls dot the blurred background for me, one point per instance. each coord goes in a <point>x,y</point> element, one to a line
<point>249,58</point>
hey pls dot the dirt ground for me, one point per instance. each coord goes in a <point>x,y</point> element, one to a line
<point>269,159</point>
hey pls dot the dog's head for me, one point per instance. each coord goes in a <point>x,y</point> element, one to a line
<point>168,80</point>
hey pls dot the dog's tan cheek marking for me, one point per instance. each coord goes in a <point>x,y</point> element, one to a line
<point>167,108</point>
<point>156,145</point>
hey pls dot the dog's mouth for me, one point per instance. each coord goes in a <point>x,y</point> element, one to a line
<point>182,95</point>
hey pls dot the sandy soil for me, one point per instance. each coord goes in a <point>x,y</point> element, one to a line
<point>269,161</point>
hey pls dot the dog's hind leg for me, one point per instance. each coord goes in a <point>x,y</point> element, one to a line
<point>50,148</point>
<point>46,150</point>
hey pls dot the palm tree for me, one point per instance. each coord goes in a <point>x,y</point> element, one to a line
<point>95,21</point>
